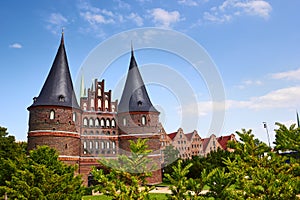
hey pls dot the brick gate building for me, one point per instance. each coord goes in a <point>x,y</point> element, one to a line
<point>97,127</point>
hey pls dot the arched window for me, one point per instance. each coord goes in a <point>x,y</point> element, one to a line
<point>113,145</point>
<point>91,122</point>
<point>74,116</point>
<point>113,123</point>
<point>143,120</point>
<point>114,132</point>
<point>107,123</point>
<point>84,133</point>
<point>102,123</point>
<point>91,133</point>
<point>91,144</point>
<point>85,122</point>
<point>102,145</point>
<point>107,145</point>
<point>113,108</point>
<point>96,145</point>
<point>108,132</point>
<point>84,144</point>
<point>84,106</point>
<point>124,121</point>
<point>97,132</point>
<point>97,122</point>
<point>52,114</point>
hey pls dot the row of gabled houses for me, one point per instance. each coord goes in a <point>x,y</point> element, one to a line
<point>191,144</point>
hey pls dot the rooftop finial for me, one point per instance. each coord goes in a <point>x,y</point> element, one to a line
<point>62,35</point>
<point>131,48</point>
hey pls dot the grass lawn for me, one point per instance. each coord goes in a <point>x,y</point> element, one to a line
<point>103,197</point>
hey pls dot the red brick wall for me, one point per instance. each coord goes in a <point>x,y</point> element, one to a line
<point>39,119</point>
<point>65,145</point>
<point>134,124</point>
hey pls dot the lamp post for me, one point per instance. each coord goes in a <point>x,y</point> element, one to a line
<point>266,127</point>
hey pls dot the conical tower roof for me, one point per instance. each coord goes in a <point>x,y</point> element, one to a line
<point>58,88</point>
<point>135,96</point>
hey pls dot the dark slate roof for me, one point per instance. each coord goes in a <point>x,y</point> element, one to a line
<point>58,87</point>
<point>135,96</point>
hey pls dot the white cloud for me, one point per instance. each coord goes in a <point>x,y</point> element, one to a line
<point>123,5</point>
<point>164,18</point>
<point>136,18</point>
<point>233,8</point>
<point>288,75</point>
<point>94,18</point>
<point>15,46</point>
<point>248,83</point>
<point>57,19</point>
<point>256,7</point>
<point>94,15</point>
<point>216,17</point>
<point>187,2</point>
<point>281,98</point>
<point>56,22</point>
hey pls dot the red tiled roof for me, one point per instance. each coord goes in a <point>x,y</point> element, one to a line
<point>223,140</point>
<point>189,135</point>
<point>205,142</point>
<point>172,135</point>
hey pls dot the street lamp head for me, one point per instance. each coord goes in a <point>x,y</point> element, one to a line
<point>265,124</point>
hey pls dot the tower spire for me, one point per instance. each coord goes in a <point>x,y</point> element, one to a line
<point>298,121</point>
<point>58,87</point>
<point>82,86</point>
<point>135,96</point>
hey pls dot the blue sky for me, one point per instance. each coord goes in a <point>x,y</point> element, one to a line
<point>254,45</point>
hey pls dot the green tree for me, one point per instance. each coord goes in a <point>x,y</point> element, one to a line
<point>9,150</point>
<point>127,177</point>
<point>260,173</point>
<point>221,184</point>
<point>170,155</point>
<point>287,138</point>
<point>42,176</point>
<point>178,181</point>
<point>196,186</point>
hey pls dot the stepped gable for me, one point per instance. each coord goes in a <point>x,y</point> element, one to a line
<point>135,97</point>
<point>58,87</point>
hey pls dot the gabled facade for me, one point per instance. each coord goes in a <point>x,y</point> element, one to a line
<point>188,145</point>
<point>195,142</point>
<point>209,144</point>
<point>165,140</point>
